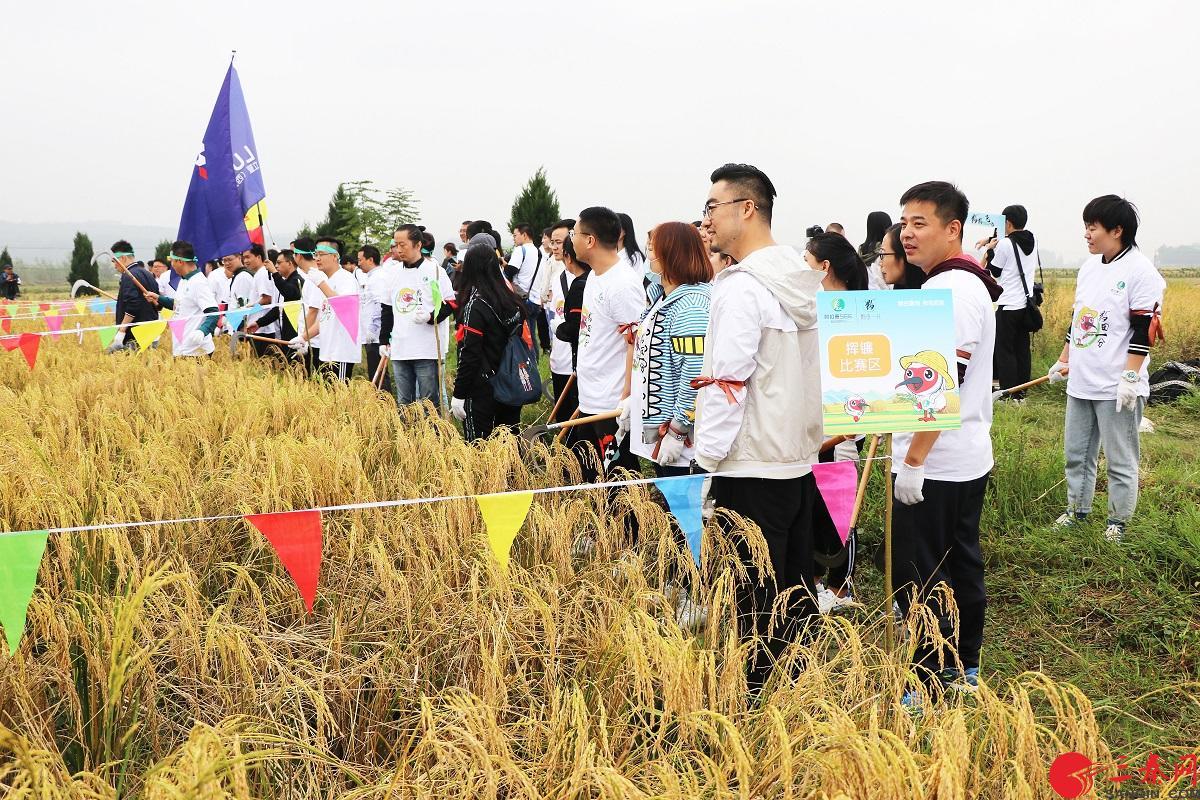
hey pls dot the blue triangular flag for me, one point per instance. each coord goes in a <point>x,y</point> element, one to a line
<point>96,306</point>
<point>683,498</point>
<point>234,316</point>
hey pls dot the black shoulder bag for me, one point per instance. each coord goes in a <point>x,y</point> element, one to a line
<point>1031,320</point>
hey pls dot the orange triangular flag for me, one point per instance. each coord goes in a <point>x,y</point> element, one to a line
<point>28,342</point>
<point>296,537</point>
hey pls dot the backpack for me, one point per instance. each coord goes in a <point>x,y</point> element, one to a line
<point>517,381</point>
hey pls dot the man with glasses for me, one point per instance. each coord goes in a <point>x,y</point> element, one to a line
<point>337,348</point>
<point>193,303</point>
<point>613,303</point>
<point>219,280</point>
<point>561,358</point>
<point>241,284</point>
<point>758,411</point>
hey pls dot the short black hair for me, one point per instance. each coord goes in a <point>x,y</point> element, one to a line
<point>495,237</point>
<point>183,250</point>
<point>1017,215</point>
<point>750,181</point>
<point>411,232</point>
<point>949,203</point>
<point>478,226</point>
<point>525,228</point>
<point>337,243</point>
<point>547,231</point>
<point>370,252</point>
<point>603,223</point>
<point>256,249</point>
<point>122,246</point>
<point>567,223</point>
<point>306,244</point>
<point>162,261</point>
<point>1110,212</point>
<point>467,221</point>
<point>451,247</point>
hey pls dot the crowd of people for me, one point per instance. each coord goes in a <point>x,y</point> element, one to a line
<point>700,355</point>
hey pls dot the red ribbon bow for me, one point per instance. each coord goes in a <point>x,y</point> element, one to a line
<point>629,331</point>
<point>725,385</point>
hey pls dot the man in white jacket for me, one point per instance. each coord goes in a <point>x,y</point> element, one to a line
<point>758,411</point>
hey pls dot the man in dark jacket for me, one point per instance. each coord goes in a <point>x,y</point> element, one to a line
<point>287,282</point>
<point>132,306</point>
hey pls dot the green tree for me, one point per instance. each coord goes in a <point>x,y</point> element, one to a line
<point>536,205</point>
<point>162,250</point>
<point>5,258</point>
<point>341,218</point>
<point>379,212</point>
<point>82,265</point>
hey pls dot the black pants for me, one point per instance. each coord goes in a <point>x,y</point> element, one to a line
<point>937,540</point>
<point>1011,355</point>
<point>312,360</point>
<point>336,370</point>
<point>543,328</point>
<point>269,350</point>
<point>484,415</point>
<point>783,510</point>
<point>373,365</point>
<point>571,403</point>
<point>593,440</point>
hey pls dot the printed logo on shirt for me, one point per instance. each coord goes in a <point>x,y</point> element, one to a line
<point>407,301</point>
<point>1091,328</point>
<point>1120,287</point>
<point>585,331</point>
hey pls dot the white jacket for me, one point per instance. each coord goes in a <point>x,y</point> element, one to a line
<point>762,330</point>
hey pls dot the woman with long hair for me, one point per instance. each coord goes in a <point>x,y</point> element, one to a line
<point>668,350</point>
<point>628,246</point>
<point>877,224</point>
<point>897,272</point>
<point>491,314</point>
<point>832,254</point>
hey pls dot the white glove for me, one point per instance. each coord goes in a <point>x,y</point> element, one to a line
<point>909,481</point>
<point>299,344</point>
<point>708,506</point>
<point>119,338</point>
<point>623,419</point>
<point>1058,373</point>
<point>1127,394</point>
<point>316,276</point>
<point>458,407</point>
<point>194,340</point>
<point>385,351</point>
<point>670,448</point>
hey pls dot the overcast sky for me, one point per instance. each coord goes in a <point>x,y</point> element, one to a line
<point>626,104</point>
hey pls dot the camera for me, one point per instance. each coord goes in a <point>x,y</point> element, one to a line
<point>815,230</point>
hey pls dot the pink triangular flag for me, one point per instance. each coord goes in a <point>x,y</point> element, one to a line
<point>178,328</point>
<point>66,307</point>
<point>54,324</point>
<point>345,306</point>
<point>838,484</point>
<point>296,537</point>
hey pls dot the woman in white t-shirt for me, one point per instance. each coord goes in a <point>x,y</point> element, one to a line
<point>1114,321</point>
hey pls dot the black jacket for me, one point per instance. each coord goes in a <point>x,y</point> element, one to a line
<point>289,290</point>
<point>129,297</point>
<point>484,338</point>
<point>568,329</point>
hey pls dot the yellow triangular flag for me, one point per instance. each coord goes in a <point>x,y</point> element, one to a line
<point>166,313</point>
<point>503,515</point>
<point>292,309</point>
<point>148,333</point>
<point>81,306</point>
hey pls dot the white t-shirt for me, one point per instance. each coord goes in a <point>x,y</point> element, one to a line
<point>525,260</point>
<point>192,296</point>
<point>337,343</point>
<point>1013,295</point>
<point>964,454</point>
<point>1100,332</point>
<point>407,290</point>
<point>556,310</point>
<point>610,300</point>
<point>370,286</point>
<point>311,296</point>
<point>639,391</point>
<point>241,290</point>
<point>164,284</point>
<point>265,285</point>
<point>219,284</point>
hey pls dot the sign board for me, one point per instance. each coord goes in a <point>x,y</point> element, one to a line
<point>980,227</point>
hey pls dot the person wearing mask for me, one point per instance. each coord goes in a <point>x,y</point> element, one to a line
<point>1114,322</point>
<point>1012,260</point>
<point>941,476</point>
<point>668,350</point>
<point>758,410</point>
<point>408,326</point>
<point>338,351</point>
<point>192,302</point>
<point>372,285</point>
<point>492,314</point>
<point>877,224</point>
<point>132,306</point>
<point>613,303</point>
<point>571,284</point>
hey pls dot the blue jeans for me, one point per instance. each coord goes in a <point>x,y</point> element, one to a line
<point>415,380</point>
<point>1090,424</point>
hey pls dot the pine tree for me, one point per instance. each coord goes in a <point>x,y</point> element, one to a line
<point>536,206</point>
<point>341,218</point>
<point>162,250</point>
<point>82,266</point>
<point>5,258</point>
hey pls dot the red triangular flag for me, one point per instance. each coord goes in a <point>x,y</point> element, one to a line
<point>296,537</point>
<point>6,324</point>
<point>28,342</point>
<point>838,484</point>
<point>10,342</point>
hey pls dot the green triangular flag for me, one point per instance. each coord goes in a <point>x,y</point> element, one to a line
<point>20,556</point>
<point>106,335</point>
<point>435,291</point>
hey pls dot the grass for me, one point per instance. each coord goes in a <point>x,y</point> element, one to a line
<point>177,661</point>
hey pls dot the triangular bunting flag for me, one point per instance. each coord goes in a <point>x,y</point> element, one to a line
<point>178,329</point>
<point>43,306</point>
<point>147,333</point>
<point>6,324</point>
<point>10,343</point>
<point>54,324</point>
<point>234,317</point>
<point>296,537</point>
<point>81,306</point>
<point>683,498</point>
<point>292,309</point>
<point>503,516</point>
<point>166,313</point>
<point>345,307</point>
<point>107,334</point>
<point>838,483</point>
<point>65,307</point>
<point>28,342</point>
<point>20,556</point>
<point>96,306</point>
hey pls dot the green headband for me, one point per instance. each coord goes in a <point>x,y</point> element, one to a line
<point>324,248</point>
<point>123,254</point>
<point>174,257</point>
<point>298,251</point>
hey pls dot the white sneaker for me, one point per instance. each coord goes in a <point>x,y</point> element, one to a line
<point>826,601</point>
<point>1115,532</point>
<point>1067,519</point>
